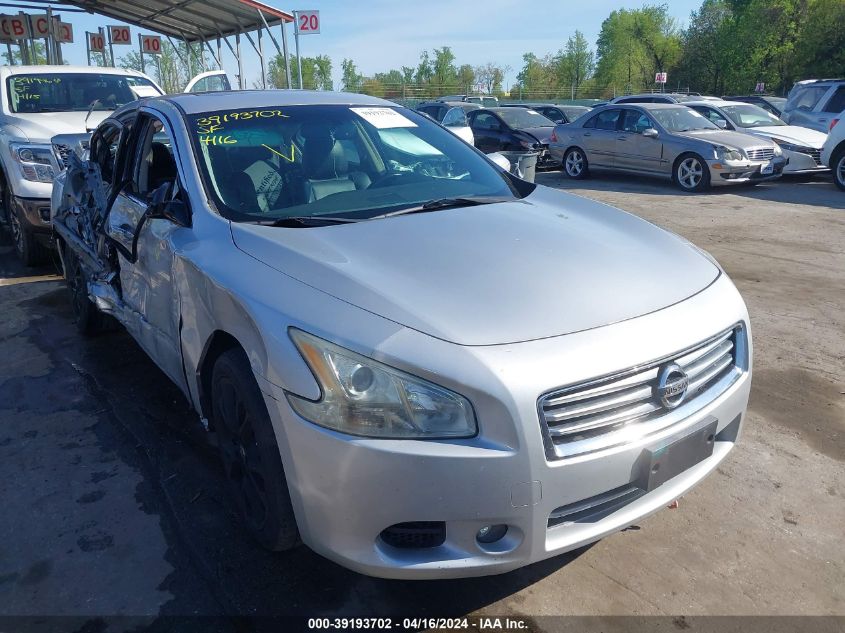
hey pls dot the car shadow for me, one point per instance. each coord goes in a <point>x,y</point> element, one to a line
<point>183,484</point>
<point>799,189</point>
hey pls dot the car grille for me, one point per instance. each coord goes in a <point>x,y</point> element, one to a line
<point>63,151</point>
<point>765,153</point>
<point>606,412</point>
<point>815,154</point>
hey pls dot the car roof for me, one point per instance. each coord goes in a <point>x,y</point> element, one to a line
<point>645,106</point>
<point>715,102</point>
<point>87,70</point>
<point>193,103</point>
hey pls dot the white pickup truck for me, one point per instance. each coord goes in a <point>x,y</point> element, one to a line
<point>38,103</point>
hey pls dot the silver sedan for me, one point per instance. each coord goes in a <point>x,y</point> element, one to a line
<point>665,140</point>
<point>410,360</point>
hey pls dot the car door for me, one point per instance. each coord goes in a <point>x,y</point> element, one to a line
<point>599,137</point>
<point>633,150</point>
<point>487,131</point>
<point>146,246</point>
<point>832,106</point>
<point>803,106</point>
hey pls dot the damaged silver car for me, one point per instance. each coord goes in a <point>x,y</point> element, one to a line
<point>412,361</point>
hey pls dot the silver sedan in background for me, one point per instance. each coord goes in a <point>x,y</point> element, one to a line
<point>667,140</point>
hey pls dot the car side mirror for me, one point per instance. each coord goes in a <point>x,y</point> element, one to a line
<point>175,211</point>
<point>650,132</point>
<point>721,123</point>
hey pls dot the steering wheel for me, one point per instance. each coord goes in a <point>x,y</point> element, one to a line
<point>394,177</point>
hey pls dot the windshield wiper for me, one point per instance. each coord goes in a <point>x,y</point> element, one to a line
<point>445,203</point>
<point>308,220</point>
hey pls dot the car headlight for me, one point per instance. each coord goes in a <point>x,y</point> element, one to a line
<point>778,149</point>
<point>361,396</point>
<point>728,153</point>
<point>35,160</point>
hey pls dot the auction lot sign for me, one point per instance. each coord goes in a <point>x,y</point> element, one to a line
<point>14,27</point>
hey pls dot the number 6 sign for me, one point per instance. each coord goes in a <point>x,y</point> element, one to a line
<point>307,22</point>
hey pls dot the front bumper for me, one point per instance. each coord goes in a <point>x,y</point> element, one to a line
<point>800,163</point>
<point>347,490</point>
<point>35,213</point>
<point>725,173</point>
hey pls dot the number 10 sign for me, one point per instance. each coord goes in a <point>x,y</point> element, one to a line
<point>307,22</point>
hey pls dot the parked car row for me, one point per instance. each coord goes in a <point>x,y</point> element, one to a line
<point>678,136</point>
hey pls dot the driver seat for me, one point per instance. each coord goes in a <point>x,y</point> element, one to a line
<point>325,165</point>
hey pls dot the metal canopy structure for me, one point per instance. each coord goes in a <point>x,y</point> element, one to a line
<point>190,20</point>
<point>202,21</point>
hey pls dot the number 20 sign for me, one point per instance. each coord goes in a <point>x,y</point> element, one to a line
<point>307,22</point>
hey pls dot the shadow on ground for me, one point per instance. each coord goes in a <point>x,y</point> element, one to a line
<point>146,421</point>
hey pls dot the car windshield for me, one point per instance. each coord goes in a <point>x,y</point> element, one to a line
<point>314,161</point>
<point>748,115</point>
<point>65,92</point>
<point>521,118</point>
<point>681,119</point>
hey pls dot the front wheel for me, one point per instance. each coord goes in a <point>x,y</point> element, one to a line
<point>250,453</point>
<point>89,320</point>
<point>838,164</point>
<point>575,163</point>
<point>691,173</point>
<point>29,250</point>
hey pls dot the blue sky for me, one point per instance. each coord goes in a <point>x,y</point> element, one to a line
<point>384,34</point>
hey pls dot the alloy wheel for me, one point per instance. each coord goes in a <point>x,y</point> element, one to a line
<point>690,172</point>
<point>239,450</point>
<point>840,171</point>
<point>574,163</point>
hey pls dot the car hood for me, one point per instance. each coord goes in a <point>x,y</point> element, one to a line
<point>542,134</point>
<point>492,274</point>
<point>792,134</point>
<point>739,140</point>
<point>40,128</point>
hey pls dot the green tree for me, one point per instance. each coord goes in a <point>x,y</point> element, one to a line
<point>424,69</point>
<point>575,64</point>
<point>466,78</point>
<point>351,79</point>
<point>372,87</point>
<point>704,61</point>
<point>443,72</point>
<point>316,72</point>
<point>820,41</point>
<point>36,47</point>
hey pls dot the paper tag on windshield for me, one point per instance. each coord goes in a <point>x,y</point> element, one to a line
<point>144,91</point>
<point>383,118</point>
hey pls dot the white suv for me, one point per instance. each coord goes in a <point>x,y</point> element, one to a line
<point>833,152</point>
<point>36,104</point>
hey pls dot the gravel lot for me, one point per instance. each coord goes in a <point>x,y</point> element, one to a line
<point>111,504</point>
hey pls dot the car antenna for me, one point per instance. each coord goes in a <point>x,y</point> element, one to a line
<point>90,110</point>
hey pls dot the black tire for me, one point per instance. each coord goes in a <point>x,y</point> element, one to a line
<point>29,250</point>
<point>89,320</point>
<point>837,166</point>
<point>691,173</point>
<point>250,453</point>
<point>575,163</point>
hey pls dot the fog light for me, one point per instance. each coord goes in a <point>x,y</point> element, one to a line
<point>491,533</point>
